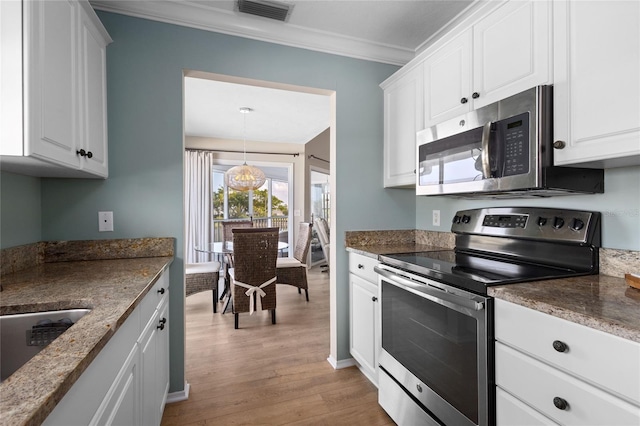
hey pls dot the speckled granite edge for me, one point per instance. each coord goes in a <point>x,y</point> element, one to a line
<point>616,263</point>
<point>401,237</point>
<point>70,251</point>
<point>15,259</point>
<point>434,238</point>
<point>18,258</point>
<point>600,302</point>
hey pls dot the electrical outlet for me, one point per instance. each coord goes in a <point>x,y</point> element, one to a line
<point>105,221</point>
<point>436,217</point>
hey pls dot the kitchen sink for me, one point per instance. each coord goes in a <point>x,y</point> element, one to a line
<point>22,336</point>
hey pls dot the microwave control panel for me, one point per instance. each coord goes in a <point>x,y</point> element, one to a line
<point>513,133</point>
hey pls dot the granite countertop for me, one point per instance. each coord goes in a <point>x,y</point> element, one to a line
<point>110,288</point>
<point>600,301</point>
<point>374,250</point>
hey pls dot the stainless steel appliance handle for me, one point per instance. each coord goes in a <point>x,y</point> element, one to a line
<point>486,166</point>
<point>427,290</point>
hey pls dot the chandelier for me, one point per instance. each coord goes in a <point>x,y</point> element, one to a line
<point>245,177</point>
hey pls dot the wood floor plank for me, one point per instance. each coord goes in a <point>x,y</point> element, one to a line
<point>265,374</point>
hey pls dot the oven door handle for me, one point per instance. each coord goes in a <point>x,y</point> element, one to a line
<point>429,291</point>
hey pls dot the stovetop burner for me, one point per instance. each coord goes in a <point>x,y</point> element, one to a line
<point>472,272</point>
<point>497,246</point>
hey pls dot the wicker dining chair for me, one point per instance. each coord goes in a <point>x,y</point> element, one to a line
<point>253,277</point>
<point>227,236</point>
<point>293,270</point>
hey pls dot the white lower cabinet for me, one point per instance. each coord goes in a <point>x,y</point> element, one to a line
<point>552,371</point>
<point>364,315</point>
<point>127,383</point>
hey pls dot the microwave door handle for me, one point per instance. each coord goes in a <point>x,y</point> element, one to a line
<point>486,136</point>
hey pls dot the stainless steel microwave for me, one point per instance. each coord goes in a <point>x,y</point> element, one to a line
<point>502,150</point>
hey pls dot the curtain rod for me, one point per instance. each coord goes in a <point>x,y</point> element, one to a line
<point>318,158</point>
<point>295,154</point>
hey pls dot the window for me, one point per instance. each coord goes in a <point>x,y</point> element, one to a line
<point>268,206</point>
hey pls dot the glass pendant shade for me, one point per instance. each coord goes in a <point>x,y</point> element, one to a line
<point>245,177</point>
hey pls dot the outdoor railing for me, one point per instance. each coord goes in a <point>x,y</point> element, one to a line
<point>281,222</point>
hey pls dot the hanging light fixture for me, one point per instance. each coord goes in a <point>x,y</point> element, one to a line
<point>245,177</point>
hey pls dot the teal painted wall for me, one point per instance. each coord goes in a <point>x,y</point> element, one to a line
<point>619,205</point>
<point>20,210</point>
<point>145,65</point>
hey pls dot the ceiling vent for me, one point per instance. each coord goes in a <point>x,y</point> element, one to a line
<point>267,9</point>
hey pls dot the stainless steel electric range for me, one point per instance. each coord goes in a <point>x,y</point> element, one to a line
<point>437,364</point>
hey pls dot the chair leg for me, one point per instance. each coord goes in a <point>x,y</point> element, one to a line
<point>306,293</point>
<point>236,321</point>
<point>273,316</point>
<point>215,300</point>
<point>299,290</point>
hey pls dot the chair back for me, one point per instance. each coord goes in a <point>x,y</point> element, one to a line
<point>303,241</point>
<point>229,225</point>
<point>323,235</point>
<point>255,251</point>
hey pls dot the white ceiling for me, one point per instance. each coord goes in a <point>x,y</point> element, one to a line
<point>389,31</point>
<point>212,109</point>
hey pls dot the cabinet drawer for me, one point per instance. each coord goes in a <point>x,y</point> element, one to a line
<point>600,358</point>
<point>537,384</point>
<point>158,294</point>
<point>363,266</point>
<point>511,411</point>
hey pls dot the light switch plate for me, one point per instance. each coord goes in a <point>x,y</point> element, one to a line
<point>105,221</point>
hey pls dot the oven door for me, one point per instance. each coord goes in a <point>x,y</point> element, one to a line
<point>435,344</point>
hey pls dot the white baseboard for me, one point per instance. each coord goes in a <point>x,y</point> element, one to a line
<point>182,395</point>
<point>343,363</point>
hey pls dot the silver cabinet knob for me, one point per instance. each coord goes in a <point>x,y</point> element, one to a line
<point>559,144</point>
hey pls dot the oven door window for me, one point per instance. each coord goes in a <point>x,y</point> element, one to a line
<point>437,344</point>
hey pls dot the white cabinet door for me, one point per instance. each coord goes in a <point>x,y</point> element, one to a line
<point>511,49</point>
<point>504,53</point>
<point>447,81</point>
<point>93,135</point>
<point>52,90</point>
<point>154,359</point>
<point>364,296</point>
<point>163,360</point>
<point>121,406</point>
<point>597,84</point>
<point>403,117</point>
<point>148,371</point>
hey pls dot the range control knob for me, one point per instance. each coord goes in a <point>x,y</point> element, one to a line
<point>466,218</point>
<point>456,219</point>
<point>542,221</point>
<point>558,222</point>
<point>576,224</point>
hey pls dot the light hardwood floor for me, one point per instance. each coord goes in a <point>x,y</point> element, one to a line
<point>264,374</point>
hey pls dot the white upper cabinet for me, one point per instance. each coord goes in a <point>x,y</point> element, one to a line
<point>447,76</point>
<point>403,117</point>
<point>597,83</point>
<point>511,51</point>
<point>504,53</point>
<point>61,130</point>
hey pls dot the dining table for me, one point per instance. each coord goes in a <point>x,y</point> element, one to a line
<point>225,249</point>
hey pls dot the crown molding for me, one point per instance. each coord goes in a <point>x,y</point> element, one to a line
<point>201,17</point>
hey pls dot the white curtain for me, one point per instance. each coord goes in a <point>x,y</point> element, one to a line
<point>198,176</point>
